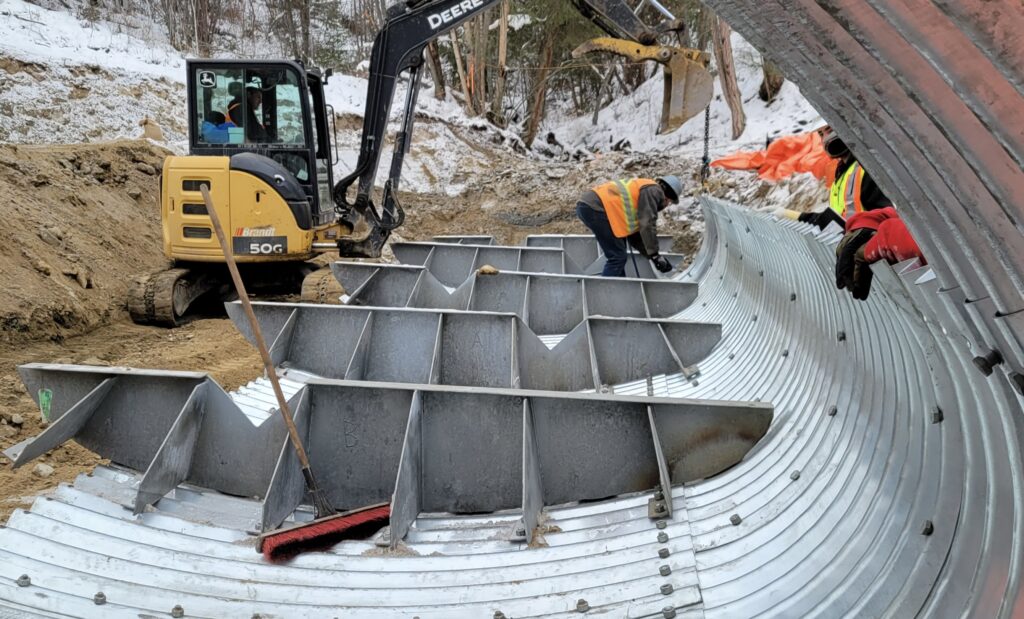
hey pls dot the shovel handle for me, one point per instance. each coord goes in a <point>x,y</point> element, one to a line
<point>261,344</point>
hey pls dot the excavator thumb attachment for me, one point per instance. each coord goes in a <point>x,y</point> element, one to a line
<point>688,84</point>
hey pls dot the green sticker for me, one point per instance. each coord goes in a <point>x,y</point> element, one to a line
<point>45,397</point>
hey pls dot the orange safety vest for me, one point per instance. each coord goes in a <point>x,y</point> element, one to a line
<point>845,195</point>
<point>619,199</point>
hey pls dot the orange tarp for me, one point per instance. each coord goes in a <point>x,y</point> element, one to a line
<point>785,157</point>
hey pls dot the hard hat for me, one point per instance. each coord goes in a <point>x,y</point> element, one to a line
<point>673,185</point>
<point>835,146</point>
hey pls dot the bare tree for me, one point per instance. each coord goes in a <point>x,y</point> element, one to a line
<point>727,76</point>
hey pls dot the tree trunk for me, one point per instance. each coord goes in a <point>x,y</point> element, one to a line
<point>462,73</point>
<point>538,98</point>
<point>436,71</point>
<point>307,39</point>
<point>773,80</point>
<point>727,76</point>
<point>498,100</point>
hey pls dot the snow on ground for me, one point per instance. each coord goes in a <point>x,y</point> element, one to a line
<point>32,33</point>
<point>636,117</point>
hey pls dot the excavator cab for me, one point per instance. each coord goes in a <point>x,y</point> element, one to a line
<point>275,109</point>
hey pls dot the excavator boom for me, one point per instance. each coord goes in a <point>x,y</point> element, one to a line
<point>398,48</point>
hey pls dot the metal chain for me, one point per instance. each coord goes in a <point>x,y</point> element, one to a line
<point>705,169</point>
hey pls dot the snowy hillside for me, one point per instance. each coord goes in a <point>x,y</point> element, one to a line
<point>67,80</point>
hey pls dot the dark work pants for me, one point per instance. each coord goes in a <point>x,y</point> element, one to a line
<point>613,247</point>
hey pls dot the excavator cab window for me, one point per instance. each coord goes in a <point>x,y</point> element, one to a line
<point>261,107</point>
<point>246,106</point>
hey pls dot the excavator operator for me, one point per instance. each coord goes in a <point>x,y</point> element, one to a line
<point>254,129</point>
<point>623,210</point>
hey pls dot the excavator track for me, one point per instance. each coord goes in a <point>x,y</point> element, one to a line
<point>321,286</point>
<point>164,298</point>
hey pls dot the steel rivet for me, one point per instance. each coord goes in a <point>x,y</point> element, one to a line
<point>659,508</point>
<point>754,319</point>
<point>663,553</point>
<point>792,296</point>
<point>661,524</point>
<point>664,570</point>
<point>833,411</point>
<point>520,532</point>
<point>582,606</point>
<point>732,356</point>
<point>928,528</point>
<point>795,475</point>
<point>669,612</point>
<point>99,599</point>
<point>986,363</point>
<point>666,589</point>
<point>735,519</point>
<point>178,612</point>
<point>662,538</point>
<point>1018,382</point>
<point>659,495</point>
<point>761,273</point>
<point>24,580</point>
<point>937,416</point>
<point>499,615</point>
<point>259,616</point>
<point>785,353</point>
<point>842,336</point>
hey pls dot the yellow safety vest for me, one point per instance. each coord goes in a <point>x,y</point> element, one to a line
<point>845,196</point>
<point>619,199</point>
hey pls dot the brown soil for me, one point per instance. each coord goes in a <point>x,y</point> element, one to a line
<point>78,222</point>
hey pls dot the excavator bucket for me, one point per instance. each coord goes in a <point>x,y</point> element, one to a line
<point>688,84</point>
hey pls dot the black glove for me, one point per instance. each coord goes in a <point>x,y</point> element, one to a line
<point>852,270</point>
<point>822,219</point>
<point>661,263</point>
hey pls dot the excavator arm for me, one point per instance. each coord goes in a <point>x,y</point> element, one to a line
<point>398,48</point>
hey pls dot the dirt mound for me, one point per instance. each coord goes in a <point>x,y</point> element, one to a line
<point>78,223</point>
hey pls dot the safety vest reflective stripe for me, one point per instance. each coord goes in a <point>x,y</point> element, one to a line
<point>845,195</point>
<point>620,199</point>
<point>629,205</point>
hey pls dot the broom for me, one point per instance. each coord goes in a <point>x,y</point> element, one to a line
<point>329,526</point>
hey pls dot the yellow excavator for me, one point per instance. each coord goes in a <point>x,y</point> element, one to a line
<point>261,136</point>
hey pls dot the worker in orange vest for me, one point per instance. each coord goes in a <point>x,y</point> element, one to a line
<point>623,210</point>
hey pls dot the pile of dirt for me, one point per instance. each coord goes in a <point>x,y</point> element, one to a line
<point>79,223</point>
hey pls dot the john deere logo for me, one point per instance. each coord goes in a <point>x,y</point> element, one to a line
<point>207,79</point>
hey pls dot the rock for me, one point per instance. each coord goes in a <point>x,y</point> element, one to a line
<point>134,194</point>
<point>145,168</point>
<point>80,275</point>
<point>151,130</point>
<point>50,235</point>
<point>17,420</point>
<point>42,470</point>
<point>40,180</point>
<point>8,431</point>
<point>487,270</point>
<point>556,173</point>
<point>42,267</point>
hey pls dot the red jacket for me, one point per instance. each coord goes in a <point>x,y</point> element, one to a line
<point>892,241</point>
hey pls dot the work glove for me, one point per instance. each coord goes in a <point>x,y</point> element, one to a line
<point>853,271</point>
<point>822,219</point>
<point>661,263</point>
